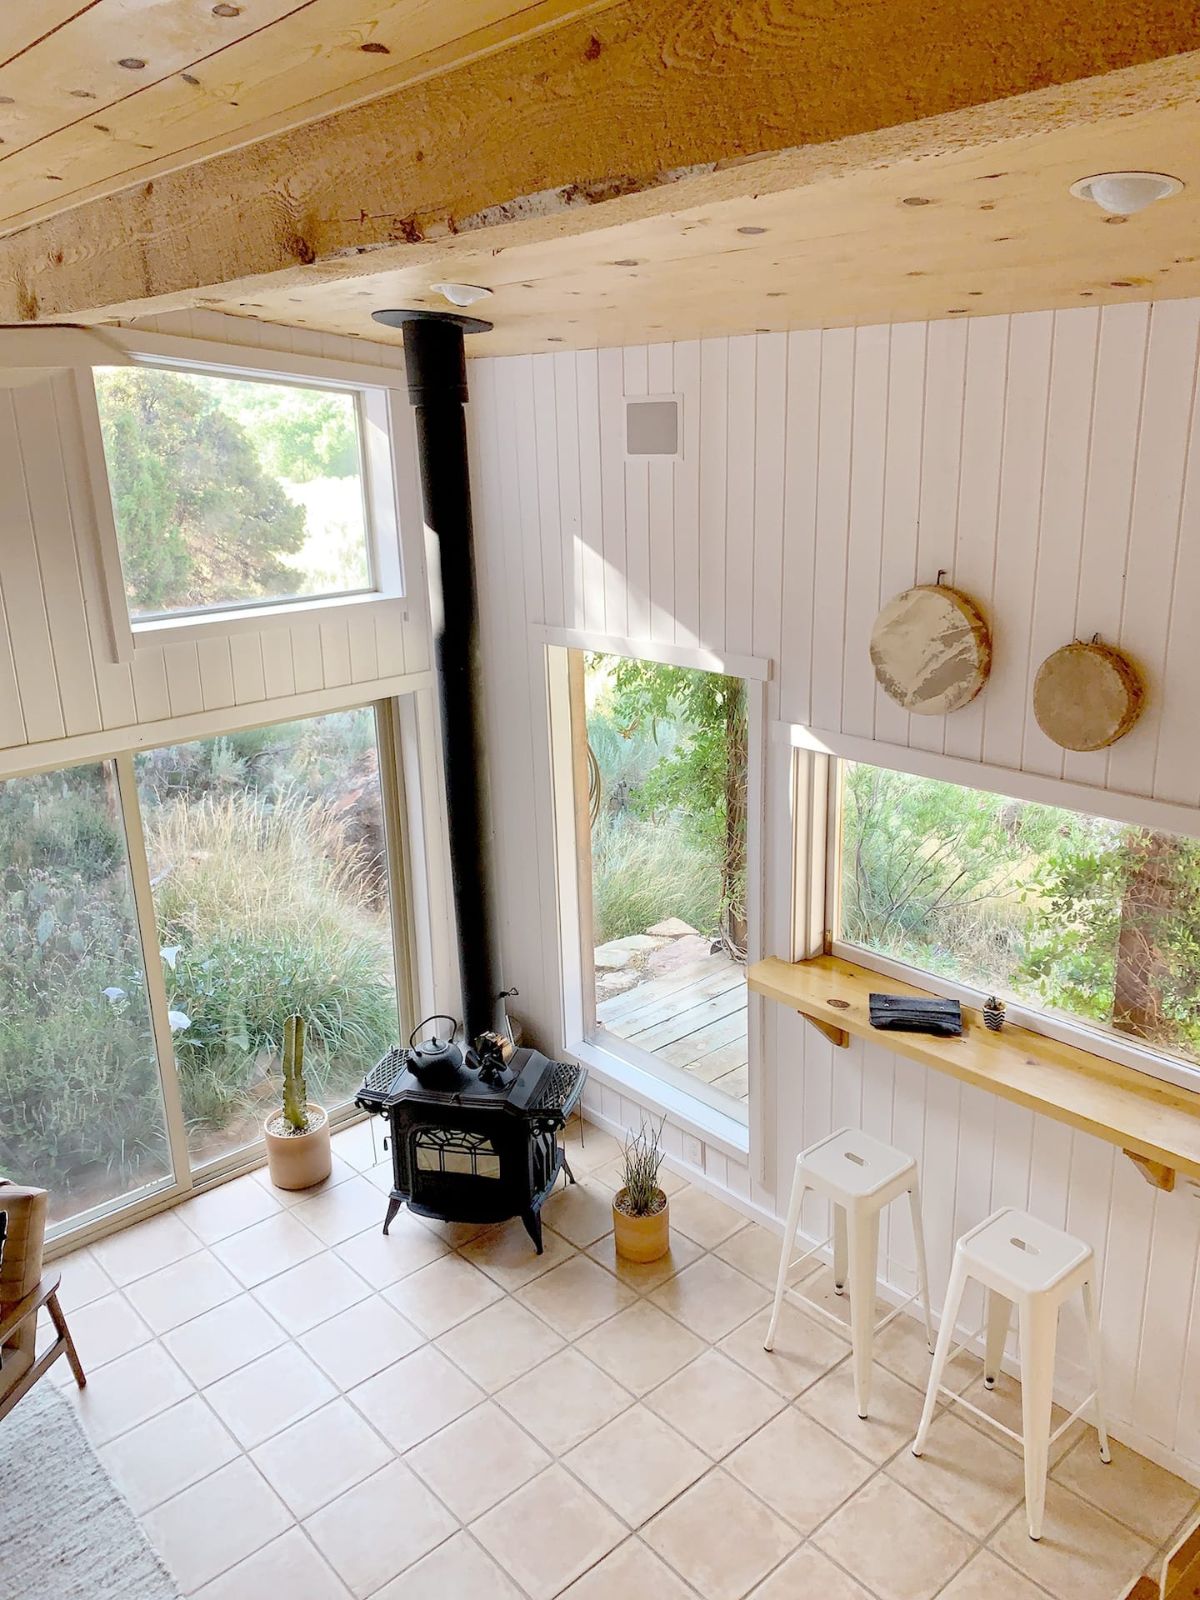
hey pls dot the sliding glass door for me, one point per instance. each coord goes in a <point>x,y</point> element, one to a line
<point>81,1099</point>
<point>160,917</point>
<point>268,857</point>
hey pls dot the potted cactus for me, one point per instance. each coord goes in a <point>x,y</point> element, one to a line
<point>297,1134</point>
<point>641,1216</point>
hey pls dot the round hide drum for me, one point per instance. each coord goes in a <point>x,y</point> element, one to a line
<point>931,650</point>
<point>1087,696</point>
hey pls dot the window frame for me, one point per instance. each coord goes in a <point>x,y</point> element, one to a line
<point>399,763</point>
<point>817,762</point>
<point>388,486</point>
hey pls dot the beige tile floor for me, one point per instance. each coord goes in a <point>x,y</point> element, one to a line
<point>295,1405</point>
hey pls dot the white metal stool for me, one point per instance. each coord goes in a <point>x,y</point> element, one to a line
<point>1022,1262</point>
<point>858,1175</point>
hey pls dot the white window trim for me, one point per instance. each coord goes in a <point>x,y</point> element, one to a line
<point>106,743</point>
<point>615,1062</point>
<point>755,669</point>
<point>815,757</point>
<point>389,482</point>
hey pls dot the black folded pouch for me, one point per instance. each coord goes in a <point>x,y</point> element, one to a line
<point>901,1014</point>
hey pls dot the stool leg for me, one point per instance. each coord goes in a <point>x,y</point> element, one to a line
<point>862,1239</point>
<point>1038,1320</point>
<point>999,1315</point>
<point>914,1200</point>
<point>791,1227</point>
<point>839,1247</point>
<point>1093,1328</point>
<point>945,1343</point>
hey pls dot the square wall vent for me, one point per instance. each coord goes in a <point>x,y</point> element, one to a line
<point>653,426</point>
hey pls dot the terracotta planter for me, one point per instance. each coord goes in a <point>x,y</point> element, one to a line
<point>642,1238</point>
<point>299,1160</point>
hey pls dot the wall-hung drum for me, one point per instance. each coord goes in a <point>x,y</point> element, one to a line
<point>1087,696</point>
<point>931,650</point>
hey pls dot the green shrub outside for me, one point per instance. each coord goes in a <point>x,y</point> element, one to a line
<point>644,872</point>
<point>79,1095</point>
<point>648,863</point>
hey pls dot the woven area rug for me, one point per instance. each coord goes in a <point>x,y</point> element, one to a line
<point>66,1533</point>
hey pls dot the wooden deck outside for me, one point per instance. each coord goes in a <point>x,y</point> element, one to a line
<point>693,1017</point>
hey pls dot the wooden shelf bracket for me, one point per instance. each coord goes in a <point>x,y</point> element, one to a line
<point>834,1034</point>
<point>1156,1173</point>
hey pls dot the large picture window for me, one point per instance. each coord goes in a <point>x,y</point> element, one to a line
<point>269,864</point>
<point>1073,915</point>
<point>232,491</point>
<point>160,918</point>
<point>81,1108</point>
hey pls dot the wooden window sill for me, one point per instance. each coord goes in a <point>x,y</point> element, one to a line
<point>1156,1124</point>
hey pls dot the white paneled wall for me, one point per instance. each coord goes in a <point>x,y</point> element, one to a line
<point>59,677</point>
<point>1050,465</point>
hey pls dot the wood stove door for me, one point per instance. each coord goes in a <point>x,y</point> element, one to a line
<point>463,1174</point>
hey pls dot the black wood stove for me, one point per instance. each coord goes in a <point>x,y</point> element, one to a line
<point>473,1139</point>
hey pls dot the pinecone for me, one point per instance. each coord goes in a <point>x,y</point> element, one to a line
<point>993,1013</point>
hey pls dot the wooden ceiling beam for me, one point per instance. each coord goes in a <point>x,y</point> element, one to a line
<point>553,133</point>
<point>98,95</point>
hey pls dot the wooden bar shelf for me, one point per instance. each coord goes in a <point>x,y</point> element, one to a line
<point>1156,1124</point>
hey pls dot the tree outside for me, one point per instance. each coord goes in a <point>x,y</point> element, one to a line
<point>228,490</point>
<point>669,836</point>
<point>1077,914</point>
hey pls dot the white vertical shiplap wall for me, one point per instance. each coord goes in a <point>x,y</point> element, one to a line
<point>1050,464</point>
<point>58,677</point>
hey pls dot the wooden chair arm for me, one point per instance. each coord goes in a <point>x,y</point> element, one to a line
<point>30,1305</point>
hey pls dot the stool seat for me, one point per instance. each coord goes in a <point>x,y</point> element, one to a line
<point>1015,1253</point>
<point>854,1165</point>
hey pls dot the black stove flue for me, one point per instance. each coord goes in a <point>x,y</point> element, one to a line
<point>436,370</point>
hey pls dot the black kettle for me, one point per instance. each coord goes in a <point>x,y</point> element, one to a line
<point>435,1063</point>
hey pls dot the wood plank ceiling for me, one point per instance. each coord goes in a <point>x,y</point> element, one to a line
<point>616,171</point>
<point>98,94</point>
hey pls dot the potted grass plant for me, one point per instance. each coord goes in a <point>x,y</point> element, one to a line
<point>297,1133</point>
<point>641,1216</point>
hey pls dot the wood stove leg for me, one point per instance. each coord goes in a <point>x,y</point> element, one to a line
<point>533,1227</point>
<point>394,1204</point>
<point>566,1166</point>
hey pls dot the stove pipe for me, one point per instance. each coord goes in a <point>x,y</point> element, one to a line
<point>437,389</point>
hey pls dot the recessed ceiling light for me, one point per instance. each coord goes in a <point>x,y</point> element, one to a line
<point>1124,193</point>
<point>461,294</point>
